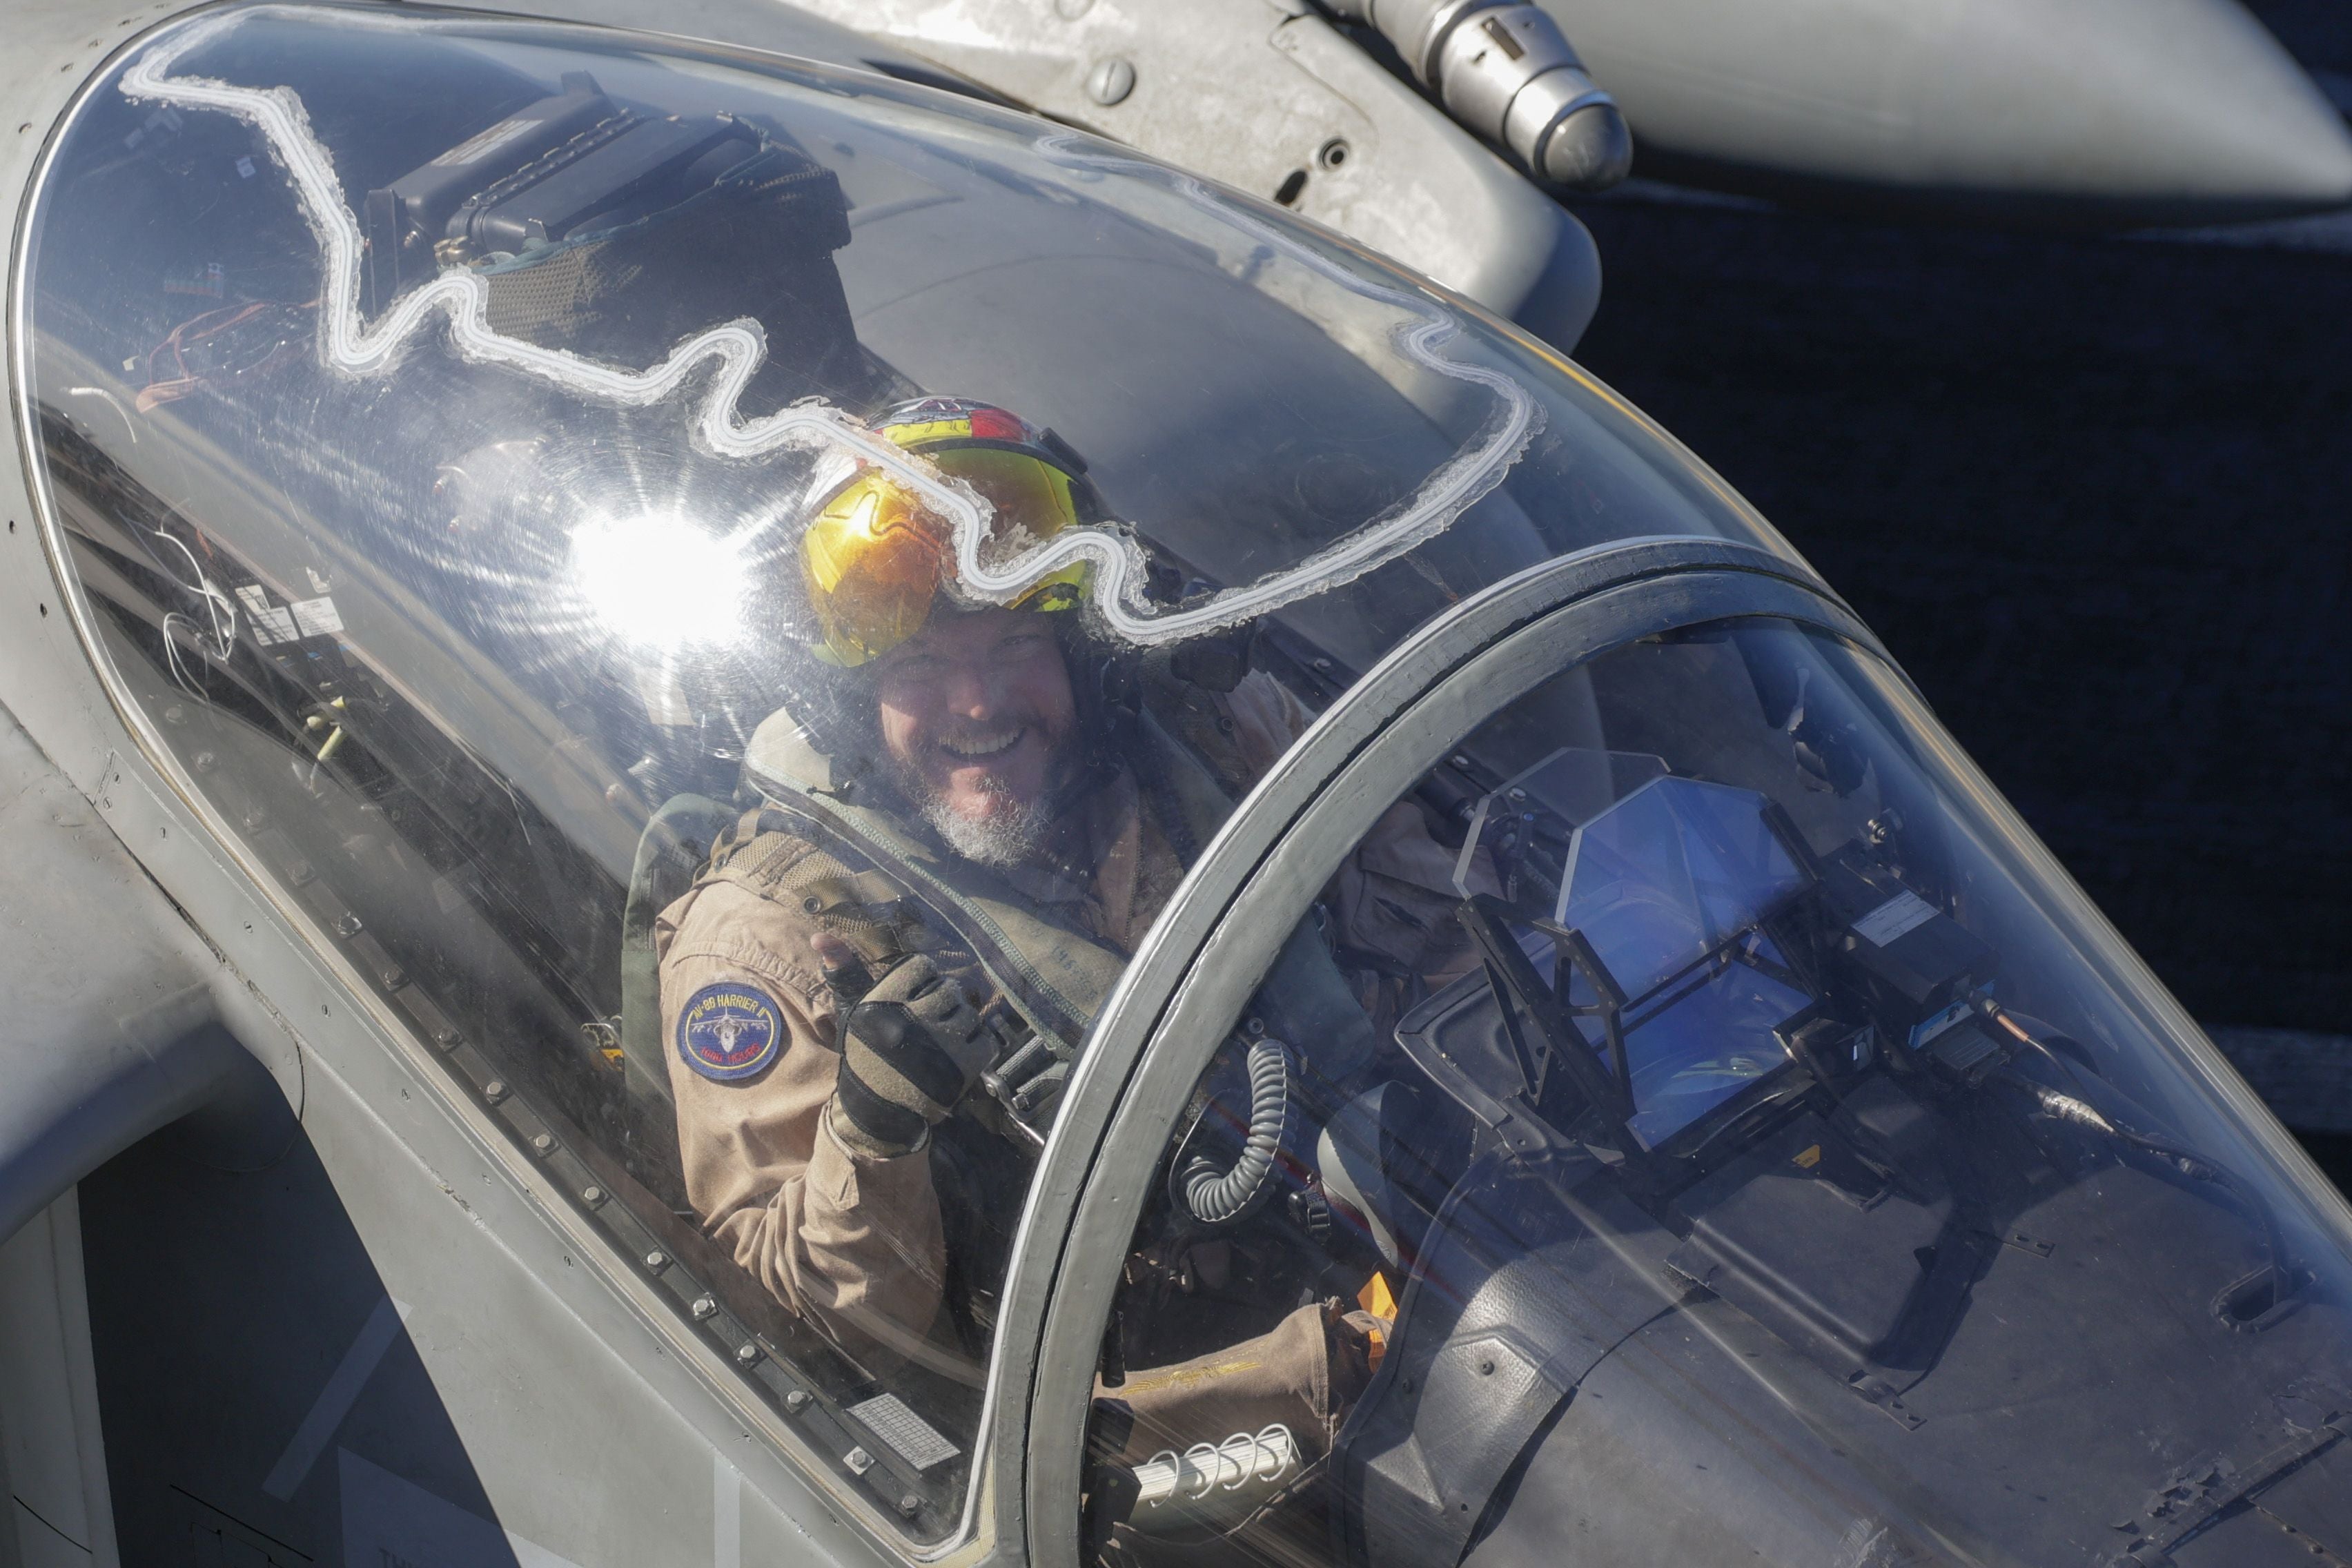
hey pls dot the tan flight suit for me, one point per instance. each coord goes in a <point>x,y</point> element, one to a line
<point>860,1237</point>
<point>821,1226</point>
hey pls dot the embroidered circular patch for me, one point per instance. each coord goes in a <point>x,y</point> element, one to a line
<point>728,1031</point>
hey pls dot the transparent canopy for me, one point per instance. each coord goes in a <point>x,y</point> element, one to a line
<point>1757,1159</point>
<point>592,517</point>
<point>436,410</point>
<point>397,304</point>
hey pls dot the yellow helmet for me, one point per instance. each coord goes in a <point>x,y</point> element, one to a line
<point>874,557</point>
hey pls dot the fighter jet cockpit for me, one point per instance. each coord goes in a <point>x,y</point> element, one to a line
<point>1135,873</point>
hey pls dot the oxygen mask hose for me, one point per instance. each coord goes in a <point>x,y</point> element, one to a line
<point>2078,1110</point>
<point>1217,1198</point>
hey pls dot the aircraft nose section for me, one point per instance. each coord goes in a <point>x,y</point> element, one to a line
<point>2164,111</point>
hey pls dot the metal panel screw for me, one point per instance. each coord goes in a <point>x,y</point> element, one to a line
<point>796,1401</point>
<point>859,1460</point>
<point>1458,760</point>
<point>447,1039</point>
<point>656,1261</point>
<point>544,1143</point>
<point>494,1090</point>
<point>591,1196</point>
<point>704,1307</point>
<point>1111,82</point>
<point>747,1354</point>
<point>909,1505</point>
<point>347,925</point>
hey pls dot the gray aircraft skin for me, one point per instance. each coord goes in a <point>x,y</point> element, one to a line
<point>2107,114</point>
<point>1278,103</point>
<point>1908,1221</point>
<point>1372,117</point>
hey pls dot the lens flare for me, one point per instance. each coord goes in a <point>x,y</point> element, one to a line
<point>659,580</point>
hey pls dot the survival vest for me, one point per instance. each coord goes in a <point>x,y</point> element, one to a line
<point>814,843</point>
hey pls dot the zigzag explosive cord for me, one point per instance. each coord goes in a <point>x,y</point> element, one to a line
<point>733,353</point>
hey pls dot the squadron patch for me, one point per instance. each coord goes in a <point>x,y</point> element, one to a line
<point>728,1031</point>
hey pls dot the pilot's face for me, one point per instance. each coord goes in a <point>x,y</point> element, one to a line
<point>976,712</point>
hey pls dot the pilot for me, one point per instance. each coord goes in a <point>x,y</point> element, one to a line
<point>818,1035</point>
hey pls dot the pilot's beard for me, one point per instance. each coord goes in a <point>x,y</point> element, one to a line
<point>1016,831</point>
<point>1005,839</point>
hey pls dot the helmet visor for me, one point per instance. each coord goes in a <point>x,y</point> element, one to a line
<point>876,557</point>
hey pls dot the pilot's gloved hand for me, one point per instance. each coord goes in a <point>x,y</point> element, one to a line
<point>910,1046</point>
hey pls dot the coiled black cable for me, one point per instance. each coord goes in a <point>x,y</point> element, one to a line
<point>1227,1197</point>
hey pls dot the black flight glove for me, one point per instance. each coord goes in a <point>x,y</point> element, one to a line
<point>910,1047</point>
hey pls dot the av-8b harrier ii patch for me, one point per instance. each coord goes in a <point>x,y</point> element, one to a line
<point>730,1031</point>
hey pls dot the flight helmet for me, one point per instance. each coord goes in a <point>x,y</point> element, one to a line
<point>875,560</point>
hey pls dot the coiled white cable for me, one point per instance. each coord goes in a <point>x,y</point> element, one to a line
<point>1265,1455</point>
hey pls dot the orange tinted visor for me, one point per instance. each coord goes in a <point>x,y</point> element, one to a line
<point>876,558</point>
